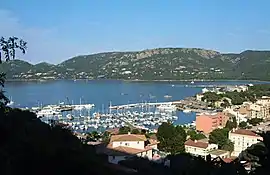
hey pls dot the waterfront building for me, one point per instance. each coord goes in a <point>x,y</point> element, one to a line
<point>242,139</point>
<point>199,147</point>
<point>237,88</point>
<point>122,147</point>
<point>207,122</point>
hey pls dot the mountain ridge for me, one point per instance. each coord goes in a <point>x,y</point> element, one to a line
<point>149,64</point>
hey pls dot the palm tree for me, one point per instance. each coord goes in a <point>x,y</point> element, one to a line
<point>8,50</point>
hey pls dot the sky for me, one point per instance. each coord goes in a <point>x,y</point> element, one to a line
<point>57,30</point>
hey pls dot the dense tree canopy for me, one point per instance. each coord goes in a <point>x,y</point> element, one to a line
<point>172,138</point>
<point>243,125</point>
<point>220,137</point>
<point>124,130</point>
<point>255,121</point>
<point>231,123</point>
<point>194,135</point>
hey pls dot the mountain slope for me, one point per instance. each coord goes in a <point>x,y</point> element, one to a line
<point>154,64</point>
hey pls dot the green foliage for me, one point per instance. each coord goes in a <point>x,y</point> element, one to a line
<point>228,146</point>
<point>124,130</point>
<point>219,136</point>
<point>231,124</point>
<point>172,138</point>
<point>135,131</point>
<point>8,49</point>
<point>94,135</point>
<point>211,97</point>
<point>105,137</point>
<point>255,121</point>
<point>195,136</point>
<point>243,125</point>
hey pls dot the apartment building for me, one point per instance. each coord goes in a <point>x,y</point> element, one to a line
<point>207,122</point>
<point>242,139</point>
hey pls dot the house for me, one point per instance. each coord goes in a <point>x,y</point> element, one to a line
<point>207,122</point>
<point>122,147</point>
<point>237,88</point>
<point>242,139</point>
<point>199,147</point>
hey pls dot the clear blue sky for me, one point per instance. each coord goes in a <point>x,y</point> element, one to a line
<point>59,29</point>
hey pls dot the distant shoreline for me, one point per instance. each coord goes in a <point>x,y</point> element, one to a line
<point>136,80</point>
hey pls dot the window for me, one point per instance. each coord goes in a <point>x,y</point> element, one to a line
<point>247,144</point>
<point>120,143</point>
<point>127,144</point>
<point>138,142</point>
<point>113,157</point>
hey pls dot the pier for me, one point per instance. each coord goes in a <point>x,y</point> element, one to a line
<point>136,105</point>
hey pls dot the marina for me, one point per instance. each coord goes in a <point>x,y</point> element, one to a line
<point>84,119</point>
<point>139,105</point>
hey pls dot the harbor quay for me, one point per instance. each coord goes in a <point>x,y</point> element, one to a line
<point>85,118</point>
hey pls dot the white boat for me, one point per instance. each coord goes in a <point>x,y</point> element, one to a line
<point>167,96</point>
<point>186,111</point>
<point>10,103</point>
<point>192,82</point>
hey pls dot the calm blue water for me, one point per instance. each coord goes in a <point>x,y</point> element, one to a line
<point>101,92</point>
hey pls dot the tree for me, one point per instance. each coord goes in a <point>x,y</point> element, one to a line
<point>225,103</point>
<point>105,137</point>
<point>255,121</point>
<point>243,125</point>
<point>171,138</point>
<point>195,136</point>
<point>219,136</point>
<point>231,124</point>
<point>211,97</point>
<point>135,131</point>
<point>8,50</point>
<point>228,146</point>
<point>124,130</point>
<point>8,47</point>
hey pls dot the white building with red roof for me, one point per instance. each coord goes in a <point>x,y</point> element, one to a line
<point>243,139</point>
<point>124,146</point>
<point>199,147</point>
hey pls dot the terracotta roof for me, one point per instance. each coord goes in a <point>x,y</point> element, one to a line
<point>227,160</point>
<point>245,132</point>
<point>128,137</point>
<point>196,144</point>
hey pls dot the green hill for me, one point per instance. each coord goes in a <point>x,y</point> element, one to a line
<point>153,64</point>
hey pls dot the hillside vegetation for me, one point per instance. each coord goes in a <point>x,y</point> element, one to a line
<point>154,64</point>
